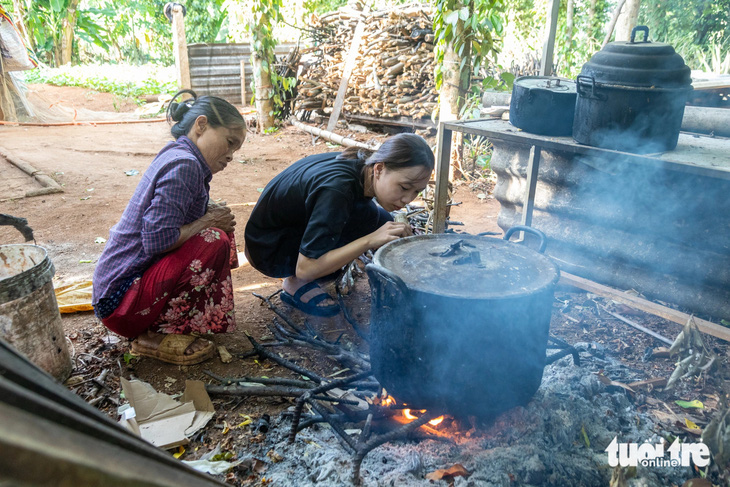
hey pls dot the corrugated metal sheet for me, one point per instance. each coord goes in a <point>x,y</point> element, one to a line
<point>215,69</point>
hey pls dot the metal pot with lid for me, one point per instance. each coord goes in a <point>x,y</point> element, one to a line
<point>543,105</point>
<point>460,323</point>
<point>631,96</point>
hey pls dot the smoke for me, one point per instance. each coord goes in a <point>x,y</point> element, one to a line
<point>658,224</point>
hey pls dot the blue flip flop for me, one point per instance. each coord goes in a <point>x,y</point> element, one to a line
<point>310,307</point>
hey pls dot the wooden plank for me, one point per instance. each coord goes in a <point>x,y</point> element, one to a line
<point>441,193</point>
<point>642,304</point>
<point>717,84</point>
<point>546,64</point>
<point>347,71</point>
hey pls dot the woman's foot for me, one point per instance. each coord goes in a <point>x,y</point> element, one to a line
<point>173,348</point>
<point>307,296</point>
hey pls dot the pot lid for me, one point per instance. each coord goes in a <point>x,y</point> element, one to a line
<point>549,83</point>
<point>639,63</point>
<point>467,266</point>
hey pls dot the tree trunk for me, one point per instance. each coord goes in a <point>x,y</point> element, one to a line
<point>454,87</point>
<point>591,31</point>
<point>67,32</point>
<point>627,20</point>
<point>570,11</point>
<point>264,92</point>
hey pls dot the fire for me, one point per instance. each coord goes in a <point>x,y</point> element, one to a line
<point>407,415</point>
<point>410,416</point>
<point>436,421</point>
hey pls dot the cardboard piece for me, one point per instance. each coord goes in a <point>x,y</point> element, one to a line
<point>162,420</point>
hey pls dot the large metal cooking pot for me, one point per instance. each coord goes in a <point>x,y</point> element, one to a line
<point>543,105</point>
<point>460,323</point>
<point>631,96</point>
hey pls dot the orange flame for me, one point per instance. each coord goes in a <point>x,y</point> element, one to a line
<point>436,421</point>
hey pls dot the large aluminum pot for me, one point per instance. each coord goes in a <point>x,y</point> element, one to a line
<point>459,324</point>
<point>631,96</point>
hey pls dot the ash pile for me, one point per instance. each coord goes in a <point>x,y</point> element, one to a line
<point>361,436</point>
<point>394,72</point>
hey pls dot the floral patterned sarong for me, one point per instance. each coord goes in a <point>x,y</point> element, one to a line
<point>188,290</point>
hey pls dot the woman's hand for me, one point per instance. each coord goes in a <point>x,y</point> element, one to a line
<point>220,217</point>
<point>389,232</point>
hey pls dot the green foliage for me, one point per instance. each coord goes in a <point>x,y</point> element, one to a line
<point>323,6</point>
<point>264,14</point>
<point>121,80</point>
<point>699,30</point>
<point>480,19</point>
<point>112,30</point>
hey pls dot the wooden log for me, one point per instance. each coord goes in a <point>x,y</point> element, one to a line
<point>642,304</point>
<point>331,136</point>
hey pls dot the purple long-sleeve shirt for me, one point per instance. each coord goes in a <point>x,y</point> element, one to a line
<point>173,192</point>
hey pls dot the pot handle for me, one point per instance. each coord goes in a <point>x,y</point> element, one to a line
<point>580,87</point>
<point>380,273</point>
<point>534,231</point>
<point>640,28</point>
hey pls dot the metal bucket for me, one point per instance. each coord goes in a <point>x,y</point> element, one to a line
<point>29,316</point>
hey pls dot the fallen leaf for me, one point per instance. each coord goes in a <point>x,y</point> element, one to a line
<point>448,474</point>
<point>690,404</point>
<point>180,452</point>
<point>274,457</point>
<point>690,424</point>
<point>585,436</point>
<point>74,381</point>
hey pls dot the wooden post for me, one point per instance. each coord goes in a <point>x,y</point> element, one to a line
<point>244,101</point>
<point>180,47</point>
<point>441,193</point>
<point>346,72</point>
<point>546,65</point>
<point>528,203</point>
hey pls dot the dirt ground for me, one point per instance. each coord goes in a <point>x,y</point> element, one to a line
<point>90,163</point>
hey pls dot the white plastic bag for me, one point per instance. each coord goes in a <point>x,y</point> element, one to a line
<point>15,56</point>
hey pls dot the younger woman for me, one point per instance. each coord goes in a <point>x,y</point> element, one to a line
<point>166,269</point>
<point>319,214</point>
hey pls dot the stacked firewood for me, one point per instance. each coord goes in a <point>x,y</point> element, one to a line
<point>394,69</point>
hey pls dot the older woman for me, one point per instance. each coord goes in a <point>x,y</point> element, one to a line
<point>165,273</point>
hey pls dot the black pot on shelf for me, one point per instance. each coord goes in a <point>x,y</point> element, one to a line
<point>543,105</point>
<point>631,96</point>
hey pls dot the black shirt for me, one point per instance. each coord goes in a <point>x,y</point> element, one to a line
<point>303,210</point>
